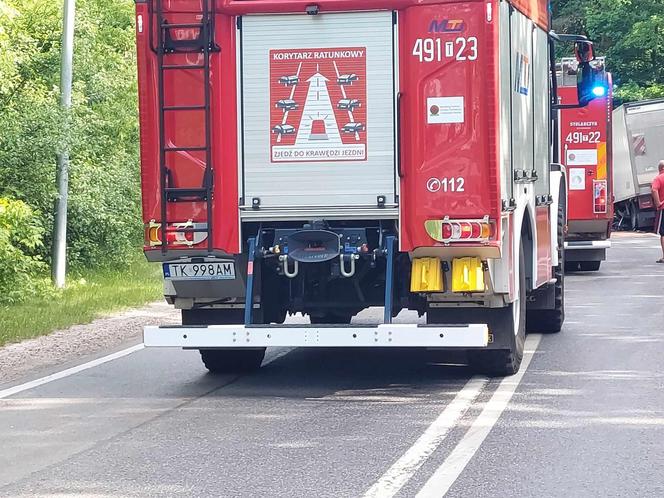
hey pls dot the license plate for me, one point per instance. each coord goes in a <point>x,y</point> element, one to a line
<point>224,270</point>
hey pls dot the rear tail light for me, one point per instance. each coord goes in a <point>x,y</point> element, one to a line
<point>186,233</point>
<point>152,234</point>
<point>446,231</point>
<point>599,196</point>
<point>450,231</point>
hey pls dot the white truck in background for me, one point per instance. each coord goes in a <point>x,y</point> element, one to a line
<point>638,145</point>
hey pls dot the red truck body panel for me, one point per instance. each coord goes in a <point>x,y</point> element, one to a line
<point>438,145</point>
<point>448,168</point>
<point>537,10</point>
<point>184,88</point>
<point>543,224</point>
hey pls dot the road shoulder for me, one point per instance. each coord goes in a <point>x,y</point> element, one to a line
<point>63,348</point>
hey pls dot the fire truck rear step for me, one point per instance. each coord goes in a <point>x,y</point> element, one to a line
<point>330,336</point>
<point>588,244</point>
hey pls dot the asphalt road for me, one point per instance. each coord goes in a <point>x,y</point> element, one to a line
<point>585,419</point>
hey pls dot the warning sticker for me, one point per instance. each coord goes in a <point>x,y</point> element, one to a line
<point>318,105</point>
<point>442,110</point>
<point>639,144</point>
<point>577,178</point>
<point>581,157</point>
<point>522,71</point>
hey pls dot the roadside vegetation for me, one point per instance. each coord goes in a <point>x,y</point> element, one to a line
<point>105,231</point>
<point>87,296</point>
<point>630,33</point>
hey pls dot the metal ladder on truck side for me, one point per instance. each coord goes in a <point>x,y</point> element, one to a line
<point>168,45</point>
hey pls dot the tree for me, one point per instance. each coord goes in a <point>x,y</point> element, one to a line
<point>105,224</point>
<point>630,33</point>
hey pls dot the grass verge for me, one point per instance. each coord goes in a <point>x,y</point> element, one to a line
<point>85,298</point>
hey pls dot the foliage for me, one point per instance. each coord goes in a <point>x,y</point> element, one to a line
<point>630,33</point>
<point>632,91</point>
<point>20,239</point>
<point>104,221</point>
<point>101,291</point>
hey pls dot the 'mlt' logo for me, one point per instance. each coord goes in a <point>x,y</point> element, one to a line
<point>447,26</point>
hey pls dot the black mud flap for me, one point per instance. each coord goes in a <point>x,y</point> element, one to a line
<point>543,298</point>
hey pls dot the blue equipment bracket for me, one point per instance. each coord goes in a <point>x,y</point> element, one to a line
<point>249,297</point>
<point>389,278</point>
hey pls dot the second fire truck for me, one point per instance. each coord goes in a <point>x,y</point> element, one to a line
<point>586,152</point>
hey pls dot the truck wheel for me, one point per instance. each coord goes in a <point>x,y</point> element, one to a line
<point>224,360</point>
<point>590,265</point>
<point>507,325</point>
<point>571,266</point>
<point>551,321</point>
<point>232,360</point>
<point>634,216</point>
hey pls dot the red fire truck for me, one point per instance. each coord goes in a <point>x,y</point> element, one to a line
<point>324,157</point>
<point>586,151</point>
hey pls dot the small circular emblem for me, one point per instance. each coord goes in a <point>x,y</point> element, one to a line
<point>434,110</point>
<point>433,185</point>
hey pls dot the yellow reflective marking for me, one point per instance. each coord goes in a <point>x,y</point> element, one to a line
<point>601,161</point>
<point>467,275</point>
<point>426,275</point>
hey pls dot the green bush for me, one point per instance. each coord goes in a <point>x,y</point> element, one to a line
<point>104,226</point>
<point>22,269</point>
<point>630,33</point>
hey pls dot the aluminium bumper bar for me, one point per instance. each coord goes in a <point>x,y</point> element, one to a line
<point>328,336</point>
<point>588,244</point>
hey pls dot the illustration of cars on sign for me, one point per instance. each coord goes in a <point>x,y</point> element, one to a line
<point>347,79</point>
<point>349,104</point>
<point>353,128</point>
<point>283,129</point>
<point>286,104</point>
<point>289,80</point>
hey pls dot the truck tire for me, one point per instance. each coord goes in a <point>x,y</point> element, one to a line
<point>590,265</point>
<point>551,321</point>
<point>571,266</point>
<point>507,325</point>
<point>634,215</point>
<point>224,360</point>
<point>232,360</point>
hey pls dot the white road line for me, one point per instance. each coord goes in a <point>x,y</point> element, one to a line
<point>91,364</point>
<point>70,371</point>
<point>336,70</point>
<point>441,481</point>
<point>406,466</point>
